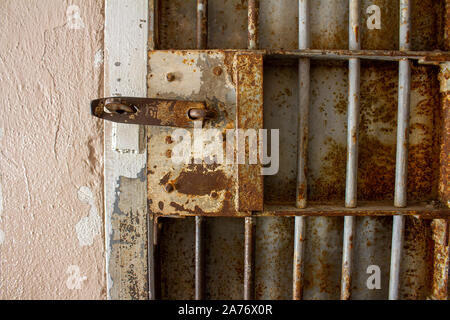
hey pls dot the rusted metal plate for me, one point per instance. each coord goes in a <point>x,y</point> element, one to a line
<point>197,188</point>
<point>249,115</point>
<point>226,79</point>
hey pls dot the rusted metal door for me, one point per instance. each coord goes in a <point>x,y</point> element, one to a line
<point>358,92</point>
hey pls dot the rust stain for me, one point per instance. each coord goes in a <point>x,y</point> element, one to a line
<point>199,180</point>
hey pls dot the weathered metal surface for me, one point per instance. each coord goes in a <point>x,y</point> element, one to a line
<point>128,251</point>
<point>249,115</point>
<point>274,236</point>
<point>198,189</point>
<point>440,229</point>
<point>227,26</point>
<point>444,179</point>
<point>155,112</point>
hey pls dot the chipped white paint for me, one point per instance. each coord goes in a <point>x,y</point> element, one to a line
<point>75,280</point>
<point>73,17</point>
<point>125,75</point>
<point>88,227</point>
<point>188,75</point>
<point>98,58</point>
<point>126,54</point>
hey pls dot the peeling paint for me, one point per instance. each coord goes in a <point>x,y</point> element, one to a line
<point>98,58</point>
<point>88,227</point>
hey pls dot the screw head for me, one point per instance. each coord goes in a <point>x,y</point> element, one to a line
<point>217,71</point>
<point>170,77</point>
<point>169,188</point>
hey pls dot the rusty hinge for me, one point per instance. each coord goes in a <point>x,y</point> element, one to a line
<point>155,112</point>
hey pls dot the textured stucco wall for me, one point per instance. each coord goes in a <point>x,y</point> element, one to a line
<point>51,165</point>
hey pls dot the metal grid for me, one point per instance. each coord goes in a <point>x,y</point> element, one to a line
<point>305,54</point>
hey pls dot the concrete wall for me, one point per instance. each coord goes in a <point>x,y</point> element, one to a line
<point>51,149</point>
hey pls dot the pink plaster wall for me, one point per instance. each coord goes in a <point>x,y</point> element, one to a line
<point>51,166</point>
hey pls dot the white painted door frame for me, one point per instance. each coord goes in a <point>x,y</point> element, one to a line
<point>128,36</point>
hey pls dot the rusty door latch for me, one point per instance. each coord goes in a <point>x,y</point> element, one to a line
<point>154,112</point>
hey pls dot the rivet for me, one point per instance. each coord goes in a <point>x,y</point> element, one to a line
<point>170,77</point>
<point>217,71</point>
<point>169,188</point>
<point>169,140</point>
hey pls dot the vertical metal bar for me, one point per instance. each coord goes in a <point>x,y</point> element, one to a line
<point>250,222</point>
<point>404,91</point>
<point>299,252</point>
<point>249,260</point>
<point>302,146</point>
<point>347,258</point>
<point>202,43</point>
<point>304,102</point>
<point>154,227</point>
<point>353,107</point>
<point>398,229</point>
<point>202,24</point>
<point>352,148</point>
<point>199,259</point>
<point>253,26</point>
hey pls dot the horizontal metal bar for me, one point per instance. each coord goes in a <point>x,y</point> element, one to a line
<point>428,57</point>
<point>365,208</point>
<point>423,210</point>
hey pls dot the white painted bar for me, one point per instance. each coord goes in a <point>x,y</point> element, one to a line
<point>126,36</point>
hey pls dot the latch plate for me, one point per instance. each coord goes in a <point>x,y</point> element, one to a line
<point>217,189</point>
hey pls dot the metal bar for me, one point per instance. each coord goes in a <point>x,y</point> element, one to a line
<point>249,260</point>
<point>154,235</point>
<point>202,24</point>
<point>199,259</point>
<point>304,102</point>
<point>398,229</point>
<point>426,57</point>
<point>404,92</point>
<point>202,43</point>
<point>302,147</point>
<point>250,222</point>
<point>367,208</point>
<point>353,106</point>
<point>299,252</point>
<point>352,148</point>
<point>253,25</point>
<point>347,257</point>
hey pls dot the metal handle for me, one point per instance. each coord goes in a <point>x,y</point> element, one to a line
<point>156,112</point>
